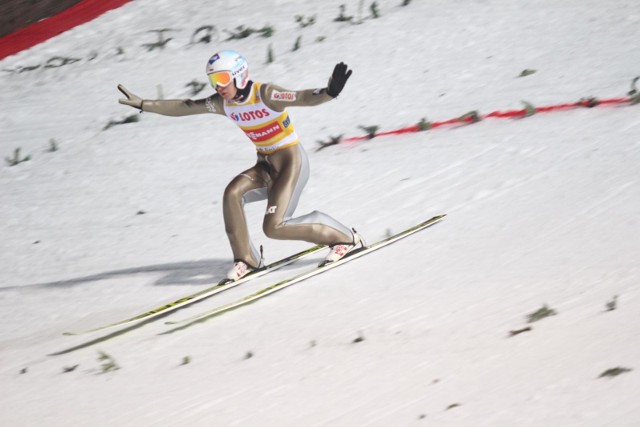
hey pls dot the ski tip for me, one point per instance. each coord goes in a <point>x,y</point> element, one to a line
<point>436,218</point>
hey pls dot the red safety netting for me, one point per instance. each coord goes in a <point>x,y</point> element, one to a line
<point>509,114</point>
<point>81,12</point>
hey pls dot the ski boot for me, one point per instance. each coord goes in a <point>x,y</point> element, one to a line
<point>340,250</point>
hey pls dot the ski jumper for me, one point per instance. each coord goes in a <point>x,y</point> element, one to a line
<point>280,173</point>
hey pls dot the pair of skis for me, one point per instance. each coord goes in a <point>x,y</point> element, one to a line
<point>204,293</point>
<point>213,290</point>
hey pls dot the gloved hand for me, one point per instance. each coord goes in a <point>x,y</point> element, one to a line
<point>132,100</point>
<point>339,78</point>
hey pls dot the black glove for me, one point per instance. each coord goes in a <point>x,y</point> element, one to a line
<point>339,78</point>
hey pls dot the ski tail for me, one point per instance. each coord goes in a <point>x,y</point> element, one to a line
<point>204,293</point>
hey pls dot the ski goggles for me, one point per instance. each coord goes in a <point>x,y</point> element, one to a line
<point>220,78</point>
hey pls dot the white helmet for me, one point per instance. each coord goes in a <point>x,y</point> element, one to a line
<point>227,66</point>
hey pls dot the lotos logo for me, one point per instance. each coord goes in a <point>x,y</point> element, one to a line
<point>246,116</point>
<point>283,96</point>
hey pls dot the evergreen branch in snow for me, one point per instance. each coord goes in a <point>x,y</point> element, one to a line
<point>266,31</point>
<point>161,43</point>
<point>53,146</point>
<point>370,130</point>
<point>129,119</point>
<point>515,332</point>
<point>333,140</point>
<point>16,160</point>
<point>67,369</point>
<point>196,87</point>
<point>423,124</point>
<point>242,32</point>
<point>305,22</point>
<point>470,117</point>
<point>59,61</point>
<point>360,338</point>
<point>614,372</point>
<point>108,363</point>
<point>204,34</point>
<point>530,110</point>
<point>634,93</point>
<point>590,102</point>
<point>540,314</point>
<point>527,72</point>
<point>21,69</point>
<point>342,17</point>
<point>270,55</point>
<point>634,90</point>
<point>296,45</point>
<point>375,13</point>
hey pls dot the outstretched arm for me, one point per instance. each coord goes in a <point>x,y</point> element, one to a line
<point>172,107</point>
<point>278,98</point>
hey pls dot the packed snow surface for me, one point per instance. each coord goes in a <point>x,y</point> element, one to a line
<point>102,224</point>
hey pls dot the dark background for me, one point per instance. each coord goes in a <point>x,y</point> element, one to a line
<point>16,14</point>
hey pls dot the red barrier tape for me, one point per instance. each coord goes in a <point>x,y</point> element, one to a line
<point>511,114</point>
<point>81,12</point>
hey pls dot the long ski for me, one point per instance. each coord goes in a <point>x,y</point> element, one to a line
<point>199,318</point>
<point>204,293</point>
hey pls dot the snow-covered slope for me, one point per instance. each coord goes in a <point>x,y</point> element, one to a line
<point>541,211</point>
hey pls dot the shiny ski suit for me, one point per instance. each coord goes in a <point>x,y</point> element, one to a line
<point>281,170</point>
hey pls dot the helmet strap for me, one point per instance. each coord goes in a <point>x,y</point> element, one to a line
<point>243,94</point>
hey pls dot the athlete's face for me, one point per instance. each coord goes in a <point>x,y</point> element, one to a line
<point>228,93</point>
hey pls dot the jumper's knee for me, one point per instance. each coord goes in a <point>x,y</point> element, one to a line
<point>233,192</point>
<point>272,229</point>
<point>238,190</point>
